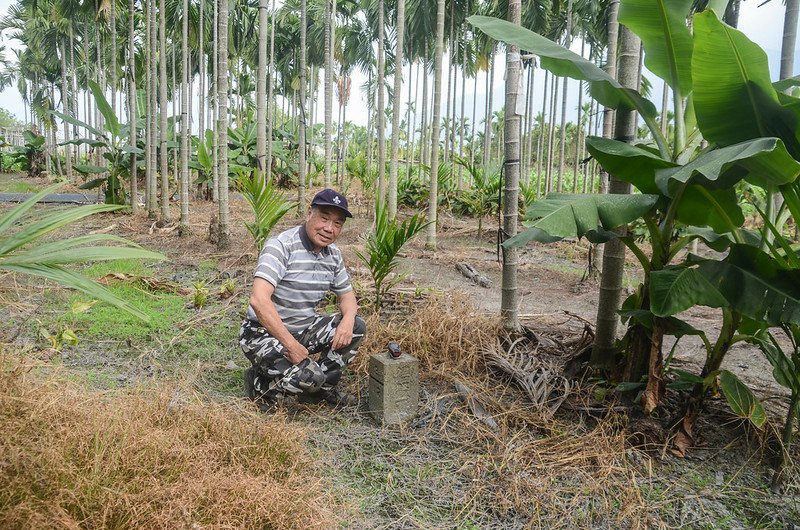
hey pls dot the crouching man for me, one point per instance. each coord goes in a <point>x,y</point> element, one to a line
<point>282,329</point>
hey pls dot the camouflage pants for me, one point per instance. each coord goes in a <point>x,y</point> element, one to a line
<point>275,376</point>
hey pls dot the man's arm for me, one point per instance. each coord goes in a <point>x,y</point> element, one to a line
<point>261,301</point>
<point>348,306</point>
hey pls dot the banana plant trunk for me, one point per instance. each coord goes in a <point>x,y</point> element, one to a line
<point>604,353</point>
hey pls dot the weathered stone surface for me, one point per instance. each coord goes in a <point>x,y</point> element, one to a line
<point>393,388</point>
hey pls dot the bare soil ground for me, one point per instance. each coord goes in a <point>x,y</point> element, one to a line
<point>595,464</point>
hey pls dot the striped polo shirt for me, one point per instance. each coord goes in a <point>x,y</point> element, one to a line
<point>301,276</point>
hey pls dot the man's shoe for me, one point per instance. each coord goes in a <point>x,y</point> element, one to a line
<point>263,403</point>
<point>250,383</point>
<point>334,397</point>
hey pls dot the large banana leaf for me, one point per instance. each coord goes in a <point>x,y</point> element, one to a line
<point>763,161</point>
<point>719,209</point>
<point>627,162</point>
<point>677,288</point>
<point>562,62</point>
<point>733,96</point>
<point>75,121</point>
<point>111,120</point>
<point>755,285</point>
<point>661,24</point>
<point>592,216</point>
<point>784,370</point>
<point>741,399</point>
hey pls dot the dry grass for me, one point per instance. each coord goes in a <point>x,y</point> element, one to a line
<point>73,458</point>
<point>445,335</point>
<point>527,470</point>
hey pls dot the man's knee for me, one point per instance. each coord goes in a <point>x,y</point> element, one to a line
<point>359,326</point>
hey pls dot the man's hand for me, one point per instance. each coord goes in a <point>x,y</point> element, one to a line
<point>295,352</point>
<point>344,333</point>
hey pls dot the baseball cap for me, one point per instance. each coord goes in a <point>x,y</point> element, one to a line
<point>329,197</point>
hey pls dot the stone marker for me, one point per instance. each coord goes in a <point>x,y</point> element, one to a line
<point>393,387</point>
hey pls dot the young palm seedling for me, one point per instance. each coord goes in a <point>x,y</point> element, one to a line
<point>382,246</point>
<point>22,249</point>
<point>267,202</point>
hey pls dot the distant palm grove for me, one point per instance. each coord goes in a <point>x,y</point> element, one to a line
<point>165,63</point>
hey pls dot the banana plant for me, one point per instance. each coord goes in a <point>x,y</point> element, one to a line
<point>31,155</point>
<point>685,192</point>
<point>114,144</point>
<point>23,248</point>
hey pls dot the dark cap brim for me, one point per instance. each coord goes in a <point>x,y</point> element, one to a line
<point>332,205</point>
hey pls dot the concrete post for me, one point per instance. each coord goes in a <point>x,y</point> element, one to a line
<point>393,387</point>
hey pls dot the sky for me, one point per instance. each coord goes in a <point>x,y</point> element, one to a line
<point>762,24</point>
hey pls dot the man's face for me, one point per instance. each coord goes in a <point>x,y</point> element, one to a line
<point>323,225</point>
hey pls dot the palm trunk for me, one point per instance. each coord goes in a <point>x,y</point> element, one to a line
<point>540,139</point>
<point>166,216</point>
<point>132,106</point>
<point>113,25</point>
<point>433,197</point>
<point>450,86</point>
<point>185,124</point>
<point>396,107</point>
<point>509,303</point>
<point>472,123</point>
<point>153,109</point>
<point>461,119</point>
<point>578,129</point>
<point>608,113</point>
<point>301,177</point>
<point>789,38</point>
<point>423,127</point>
<point>223,240</point>
<point>330,30</point>
<point>409,120</point>
<point>531,121</point>
<point>74,84</point>
<point>603,352</point>
<point>380,105</point>
<point>261,86</point>
<point>487,138</point>
<point>65,107</point>
<point>551,137</point>
<point>215,109</point>
<point>201,68</point>
<point>270,100</point>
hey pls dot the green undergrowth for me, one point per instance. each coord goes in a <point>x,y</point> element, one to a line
<point>16,183</point>
<point>179,342</point>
